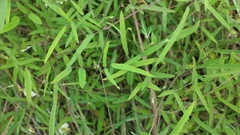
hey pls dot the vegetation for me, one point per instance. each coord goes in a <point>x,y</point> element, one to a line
<point>119,67</point>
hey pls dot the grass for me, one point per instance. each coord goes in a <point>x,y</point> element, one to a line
<point>119,67</point>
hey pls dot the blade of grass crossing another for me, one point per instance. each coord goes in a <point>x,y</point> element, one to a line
<point>131,68</point>
<point>51,130</point>
<point>110,78</point>
<point>54,43</point>
<point>28,85</point>
<point>135,91</point>
<point>123,34</point>
<point>218,16</point>
<point>174,37</point>
<point>61,75</point>
<point>77,8</point>
<point>178,128</point>
<point>80,49</point>
<point>206,127</point>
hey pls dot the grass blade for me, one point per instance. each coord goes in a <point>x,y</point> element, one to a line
<point>110,78</point>
<point>28,85</point>
<point>131,68</point>
<point>105,51</point>
<point>80,49</point>
<point>74,31</point>
<point>174,37</point>
<point>77,7</point>
<point>123,34</point>
<point>82,77</point>
<point>206,127</point>
<point>183,120</point>
<point>219,17</point>
<point>3,7</point>
<point>54,43</point>
<point>135,91</point>
<point>61,75</point>
<point>53,111</point>
<point>210,36</point>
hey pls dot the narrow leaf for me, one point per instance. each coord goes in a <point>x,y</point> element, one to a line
<point>63,74</point>
<point>110,78</point>
<point>135,91</point>
<point>218,16</point>
<point>178,128</point>
<point>74,31</point>
<point>80,49</point>
<point>77,7</point>
<point>52,120</point>
<point>131,68</point>
<point>54,43</point>
<point>123,34</point>
<point>105,51</point>
<point>82,77</point>
<point>33,17</point>
<point>165,93</point>
<point>28,85</point>
<point>209,35</point>
<point>174,37</point>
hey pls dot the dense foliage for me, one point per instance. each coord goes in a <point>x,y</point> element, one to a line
<point>119,67</point>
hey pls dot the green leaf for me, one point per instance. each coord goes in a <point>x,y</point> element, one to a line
<point>196,87</point>
<point>54,43</point>
<point>123,33</point>
<point>52,120</point>
<point>28,85</point>
<point>218,16</point>
<point>209,35</point>
<point>22,8</point>
<point>162,75</point>
<point>77,7</point>
<point>142,102</point>
<point>11,25</point>
<point>3,7</point>
<point>165,93</point>
<point>135,91</point>
<point>82,77</point>
<point>74,31</point>
<point>105,51</point>
<point>178,128</point>
<point>154,48</point>
<point>131,68</point>
<point>206,127</point>
<point>33,17</point>
<point>63,74</point>
<point>64,15</point>
<point>223,73</point>
<point>110,78</point>
<point>233,107</point>
<point>174,37</point>
<point>188,31</point>
<point>157,9</point>
<point>153,87</point>
<point>80,49</point>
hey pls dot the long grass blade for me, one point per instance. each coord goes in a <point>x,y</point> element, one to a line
<point>178,128</point>
<point>174,37</point>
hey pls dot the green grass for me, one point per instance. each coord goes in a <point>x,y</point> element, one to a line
<point>119,67</point>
